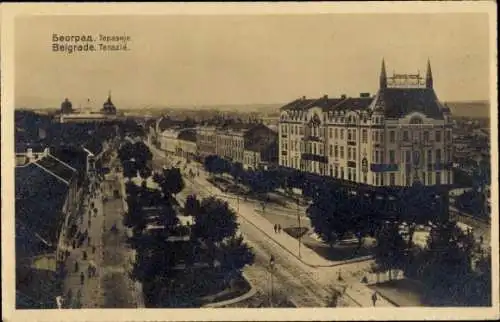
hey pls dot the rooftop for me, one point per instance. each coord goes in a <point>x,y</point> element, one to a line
<point>40,197</point>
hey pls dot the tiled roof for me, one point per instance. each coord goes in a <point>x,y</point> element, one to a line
<point>187,135</point>
<point>330,104</point>
<point>57,168</point>
<point>39,201</point>
<point>398,102</point>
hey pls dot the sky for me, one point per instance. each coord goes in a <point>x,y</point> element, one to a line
<point>253,59</point>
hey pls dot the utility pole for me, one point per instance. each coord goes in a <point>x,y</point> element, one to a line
<point>271,269</point>
<point>300,229</point>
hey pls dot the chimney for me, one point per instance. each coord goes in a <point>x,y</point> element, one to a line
<point>364,94</point>
<point>325,96</point>
<point>303,98</point>
<point>343,96</point>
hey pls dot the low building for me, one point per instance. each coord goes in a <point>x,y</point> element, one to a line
<point>187,144</point>
<point>46,202</point>
<point>206,141</point>
<point>167,141</point>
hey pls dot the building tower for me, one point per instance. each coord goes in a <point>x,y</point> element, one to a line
<point>428,77</point>
<point>383,76</point>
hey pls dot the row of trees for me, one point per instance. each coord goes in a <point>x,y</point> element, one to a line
<point>449,256</point>
<point>210,238</point>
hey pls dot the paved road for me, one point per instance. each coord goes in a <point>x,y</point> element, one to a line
<point>305,286</point>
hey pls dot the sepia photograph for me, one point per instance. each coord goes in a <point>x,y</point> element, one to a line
<point>249,161</point>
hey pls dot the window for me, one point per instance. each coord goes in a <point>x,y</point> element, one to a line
<point>341,172</point>
<point>348,153</point>
<point>336,151</point>
<point>301,130</point>
<point>381,179</point>
<point>331,150</point>
<point>376,156</point>
<point>392,179</point>
<point>392,136</point>
<point>448,135</point>
<point>330,132</point>
<point>408,178</point>
<point>438,136</point>
<point>341,134</point>
<point>405,136</point>
<point>364,136</point>
<point>349,174</point>
<point>408,157</point>
<point>321,150</point>
<point>382,157</point>
<point>365,178</point>
<point>392,156</point>
<point>376,136</point>
<point>426,136</point>
<point>349,135</point>
<point>354,153</point>
<point>382,137</point>
<point>331,171</point>
<point>314,148</point>
<point>438,156</point>
<point>336,133</point>
<point>341,152</point>
<point>354,137</point>
<point>336,171</point>
<point>438,177</point>
<point>353,175</point>
<point>429,156</point>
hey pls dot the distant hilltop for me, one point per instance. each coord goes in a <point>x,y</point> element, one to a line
<point>470,109</point>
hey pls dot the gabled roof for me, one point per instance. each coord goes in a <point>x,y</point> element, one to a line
<point>57,168</point>
<point>398,102</point>
<point>330,104</point>
<point>40,197</point>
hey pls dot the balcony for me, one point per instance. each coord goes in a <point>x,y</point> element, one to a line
<point>352,143</point>
<point>351,164</point>
<point>313,138</point>
<point>383,167</point>
<point>314,157</point>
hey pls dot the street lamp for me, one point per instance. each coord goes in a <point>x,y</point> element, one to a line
<point>300,230</point>
<point>271,269</point>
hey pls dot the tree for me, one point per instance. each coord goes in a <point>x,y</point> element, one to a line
<point>145,172</point>
<point>142,154</point>
<point>192,205</point>
<point>330,216</point>
<point>234,254</point>
<point>173,182</point>
<point>214,222</point>
<point>237,170</point>
<point>389,252</point>
<point>126,152</point>
<point>129,169</point>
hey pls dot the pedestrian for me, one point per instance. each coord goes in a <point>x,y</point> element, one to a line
<point>76,266</point>
<point>82,278</point>
<point>93,249</point>
<point>74,244</point>
<point>84,255</point>
<point>374,298</point>
<point>279,228</point>
<point>89,271</point>
<point>275,228</point>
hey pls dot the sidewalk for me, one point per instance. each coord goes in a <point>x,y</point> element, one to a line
<point>88,294</point>
<point>359,293</point>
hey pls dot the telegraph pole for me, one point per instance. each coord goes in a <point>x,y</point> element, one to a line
<point>271,269</point>
<point>300,229</point>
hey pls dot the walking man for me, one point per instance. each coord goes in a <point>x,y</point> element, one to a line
<point>76,266</point>
<point>275,228</point>
<point>374,298</point>
<point>84,255</point>
<point>82,278</point>
<point>279,228</point>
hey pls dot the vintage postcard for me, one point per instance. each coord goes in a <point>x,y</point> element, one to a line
<point>249,161</point>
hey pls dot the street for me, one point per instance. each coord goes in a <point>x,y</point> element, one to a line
<point>304,285</point>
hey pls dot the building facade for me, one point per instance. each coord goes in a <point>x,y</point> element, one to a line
<point>167,141</point>
<point>399,136</point>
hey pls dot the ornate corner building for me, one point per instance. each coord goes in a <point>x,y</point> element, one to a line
<point>398,137</point>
